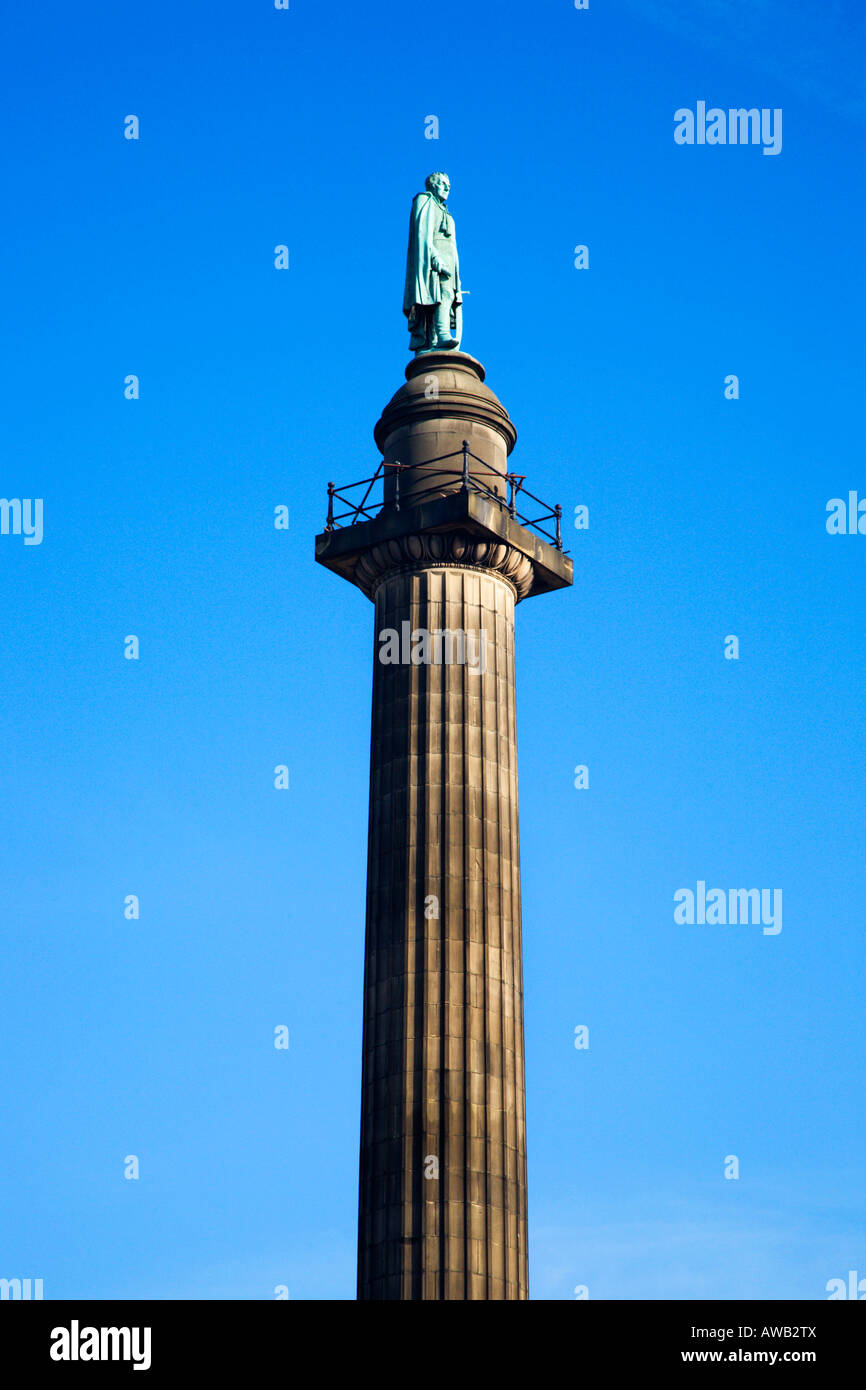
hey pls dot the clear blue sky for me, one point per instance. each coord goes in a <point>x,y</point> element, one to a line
<point>707,518</point>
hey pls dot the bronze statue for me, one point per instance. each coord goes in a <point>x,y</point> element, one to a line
<point>432,301</point>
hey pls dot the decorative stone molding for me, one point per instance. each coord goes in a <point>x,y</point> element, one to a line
<point>437,549</point>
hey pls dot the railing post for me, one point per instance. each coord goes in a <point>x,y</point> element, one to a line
<point>330,522</point>
<point>397,486</point>
<point>512,499</point>
<point>558,511</point>
<point>466,465</point>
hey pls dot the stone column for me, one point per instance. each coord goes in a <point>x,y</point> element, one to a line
<point>443,1135</point>
<point>443,1203</point>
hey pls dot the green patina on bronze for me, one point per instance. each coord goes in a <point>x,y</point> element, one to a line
<point>432,300</point>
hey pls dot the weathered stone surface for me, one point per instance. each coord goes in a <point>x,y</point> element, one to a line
<point>443,1203</point>
<point>443,1013</point>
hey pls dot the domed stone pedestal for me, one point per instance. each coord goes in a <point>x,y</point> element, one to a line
<point>443,404</point>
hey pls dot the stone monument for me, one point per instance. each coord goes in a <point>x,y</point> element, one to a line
<point>445,557</point>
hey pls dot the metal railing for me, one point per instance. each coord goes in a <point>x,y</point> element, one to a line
<point>470,481</point>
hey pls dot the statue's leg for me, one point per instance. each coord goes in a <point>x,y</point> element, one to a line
<point>419,329</point>
<point>442,337</point>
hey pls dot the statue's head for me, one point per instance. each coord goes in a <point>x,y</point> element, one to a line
<point>440,184</point>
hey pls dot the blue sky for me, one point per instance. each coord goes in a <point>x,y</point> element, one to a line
<point>707,518</point>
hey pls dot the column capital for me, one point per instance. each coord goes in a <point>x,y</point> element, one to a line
<point>462,528</point>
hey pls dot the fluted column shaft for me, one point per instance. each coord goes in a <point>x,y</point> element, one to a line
<point>443,1146</point>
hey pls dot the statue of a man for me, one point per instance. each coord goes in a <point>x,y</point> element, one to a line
<point>432,300</point>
